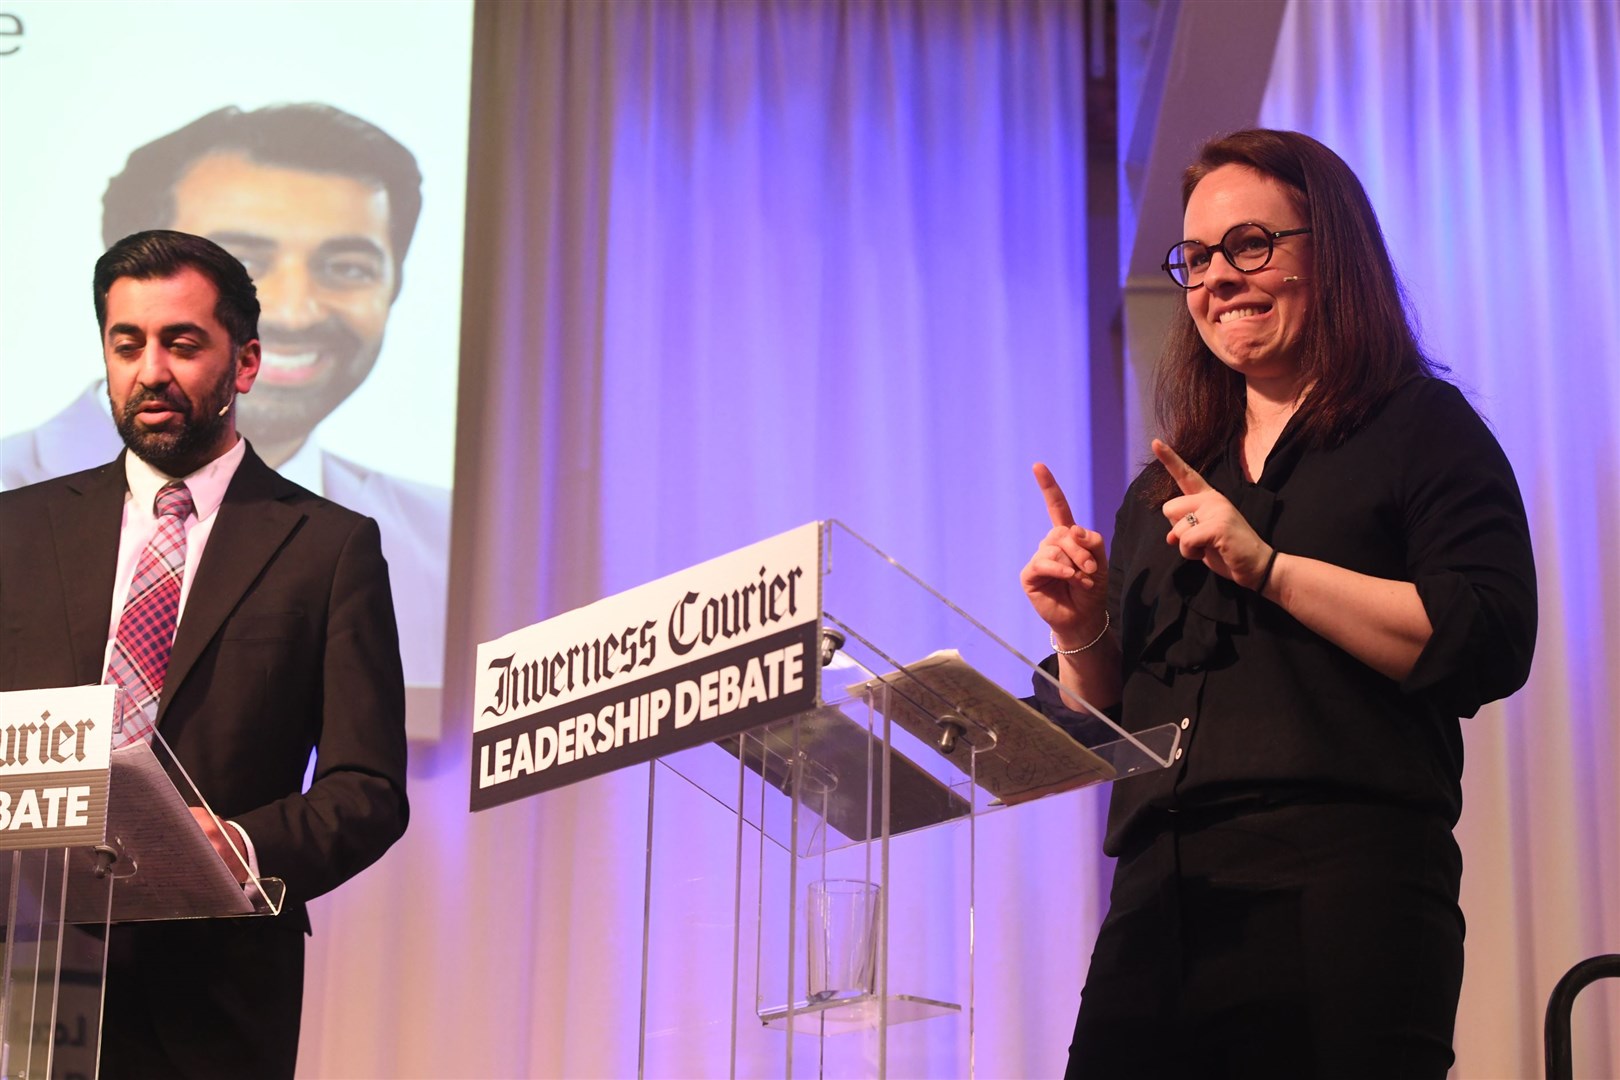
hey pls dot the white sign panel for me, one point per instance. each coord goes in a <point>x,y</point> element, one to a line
<point>705,653</point>
<point>55,747</point>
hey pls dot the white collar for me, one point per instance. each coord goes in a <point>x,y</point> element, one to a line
<point>207,484</point>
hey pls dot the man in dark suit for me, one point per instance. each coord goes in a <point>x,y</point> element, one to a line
<point>286,643</point>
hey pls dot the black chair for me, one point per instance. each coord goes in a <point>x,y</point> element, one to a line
<point>1556,1030</point>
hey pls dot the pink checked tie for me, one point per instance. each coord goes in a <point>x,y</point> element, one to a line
<point>140,653</point>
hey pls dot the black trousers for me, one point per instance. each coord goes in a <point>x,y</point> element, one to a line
<point>1291,941</point>
<point>203,999</point>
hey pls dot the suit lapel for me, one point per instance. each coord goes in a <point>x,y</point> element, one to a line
<point>253,525</point>
<point>85,522</point>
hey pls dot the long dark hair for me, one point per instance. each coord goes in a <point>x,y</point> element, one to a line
<point>1358,345</point>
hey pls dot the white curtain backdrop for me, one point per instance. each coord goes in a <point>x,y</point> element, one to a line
<point>735,266</point>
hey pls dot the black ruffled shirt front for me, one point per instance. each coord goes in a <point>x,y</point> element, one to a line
<point>1272,713</point>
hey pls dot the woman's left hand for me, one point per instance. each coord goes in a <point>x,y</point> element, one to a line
<point>1205,525</point>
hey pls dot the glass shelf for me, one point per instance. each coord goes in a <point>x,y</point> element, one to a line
<point>863,1013</point>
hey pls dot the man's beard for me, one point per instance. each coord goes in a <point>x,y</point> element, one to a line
<point>202,426</point>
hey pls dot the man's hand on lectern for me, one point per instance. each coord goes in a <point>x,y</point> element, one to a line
<point>211,827</point>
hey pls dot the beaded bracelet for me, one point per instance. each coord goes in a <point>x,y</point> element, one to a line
<point>1052,637</point>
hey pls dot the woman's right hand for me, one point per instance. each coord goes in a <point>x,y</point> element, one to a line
<point>1066,579</point>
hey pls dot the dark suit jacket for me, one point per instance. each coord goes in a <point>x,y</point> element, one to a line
<point>287,643</point>
<point>414,518</point>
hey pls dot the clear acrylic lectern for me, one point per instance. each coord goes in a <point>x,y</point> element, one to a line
<point>147,859</point>
<point>836,938</point>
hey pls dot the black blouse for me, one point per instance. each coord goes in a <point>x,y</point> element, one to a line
<point>1270,711</point>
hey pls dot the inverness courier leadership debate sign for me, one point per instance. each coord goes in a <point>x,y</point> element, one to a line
<point>690,658</point>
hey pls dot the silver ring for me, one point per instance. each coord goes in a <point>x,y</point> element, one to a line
<point>1192,519</point>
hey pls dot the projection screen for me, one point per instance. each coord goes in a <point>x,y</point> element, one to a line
<point>300,137</point>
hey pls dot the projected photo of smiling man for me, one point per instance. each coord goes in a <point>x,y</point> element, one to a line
<point>320,206</point>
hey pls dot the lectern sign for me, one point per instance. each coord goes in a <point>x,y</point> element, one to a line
<point>55,748</point>
<point>690,658</point>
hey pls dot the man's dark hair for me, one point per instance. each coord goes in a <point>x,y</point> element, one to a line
<point>1358,346</point>
<point>163,253</point>
<point>310,137</point>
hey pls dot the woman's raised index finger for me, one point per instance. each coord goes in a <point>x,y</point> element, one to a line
<point>1185,476</point>
<point>1057,505</point>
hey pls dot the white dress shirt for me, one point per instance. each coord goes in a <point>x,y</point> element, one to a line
<point>207,486</point>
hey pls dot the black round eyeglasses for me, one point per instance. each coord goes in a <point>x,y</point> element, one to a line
<point>1247,247</point>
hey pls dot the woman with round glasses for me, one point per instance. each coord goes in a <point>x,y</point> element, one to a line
<point>1325,566</point>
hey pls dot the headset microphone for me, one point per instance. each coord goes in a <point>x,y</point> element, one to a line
<point>225,408</point>
<point>1293,278</point>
